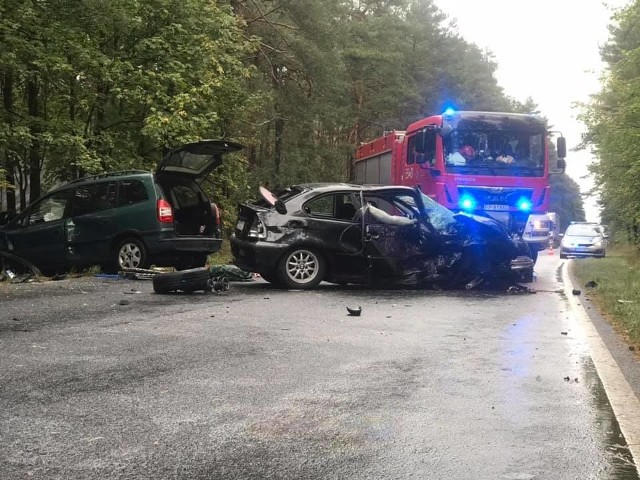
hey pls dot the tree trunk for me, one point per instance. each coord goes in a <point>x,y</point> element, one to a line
<point>35,185</point>
<point>7,103</point>
<point>279,122</point>
<point>277,154</point>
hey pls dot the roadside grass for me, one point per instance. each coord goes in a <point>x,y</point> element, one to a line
<point>224,256</point>
<point>617,293</point>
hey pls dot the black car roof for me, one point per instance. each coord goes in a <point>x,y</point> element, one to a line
<point>349,187</point>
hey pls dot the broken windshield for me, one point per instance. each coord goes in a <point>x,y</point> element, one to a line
<point>494,152</point>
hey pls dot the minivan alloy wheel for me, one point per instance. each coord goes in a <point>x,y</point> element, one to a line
<point>131,254</point>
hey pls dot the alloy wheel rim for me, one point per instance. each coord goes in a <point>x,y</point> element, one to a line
<point>302,266</point>
<point>130,256</point>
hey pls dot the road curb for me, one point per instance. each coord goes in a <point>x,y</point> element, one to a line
<point>622,398</point>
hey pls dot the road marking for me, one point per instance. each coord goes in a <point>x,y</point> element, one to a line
<point>623,400</point>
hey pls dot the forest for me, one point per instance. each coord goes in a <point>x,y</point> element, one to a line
<point>92,86</point>
<point>613,121</point>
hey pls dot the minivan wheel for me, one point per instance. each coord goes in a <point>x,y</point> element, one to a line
<point>131,253</point>
<point>301,268</point>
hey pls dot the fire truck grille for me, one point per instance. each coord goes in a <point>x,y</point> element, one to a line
<point>496,196</point>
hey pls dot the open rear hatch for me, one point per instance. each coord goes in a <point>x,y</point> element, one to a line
<point>180,174</point>
<point>196,160</point>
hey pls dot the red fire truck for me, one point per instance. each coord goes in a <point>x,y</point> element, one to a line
<point>487,163</point>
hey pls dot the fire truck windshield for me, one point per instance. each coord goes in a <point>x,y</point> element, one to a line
<point>494,152</point>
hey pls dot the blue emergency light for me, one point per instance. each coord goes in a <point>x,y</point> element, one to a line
<point>524,205</point>
<point>467,202</point>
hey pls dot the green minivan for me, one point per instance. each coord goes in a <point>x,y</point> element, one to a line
<point>128,219</point>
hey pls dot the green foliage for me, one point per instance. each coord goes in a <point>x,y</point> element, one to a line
<point>612,119</point>
<point>94,86</point>
<point>565,200</point>
<point>618,290</point>
<point>97,86</point>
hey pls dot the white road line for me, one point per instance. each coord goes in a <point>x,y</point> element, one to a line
<point>624,402</point>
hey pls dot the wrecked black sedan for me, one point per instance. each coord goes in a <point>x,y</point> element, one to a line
<point>379,235</point>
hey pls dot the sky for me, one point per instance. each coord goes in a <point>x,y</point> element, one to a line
<point>548,50</point>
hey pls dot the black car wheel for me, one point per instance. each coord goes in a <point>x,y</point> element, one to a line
<point>301,268</point>
<point>131,253</point>
<point>185,280</point>
<point>270,277</point>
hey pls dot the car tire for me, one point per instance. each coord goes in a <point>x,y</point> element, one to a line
<point>131,253</point>
<point>270,277</point>
<point>185,280</point>
<point>562,255</point>
<point>302,268</point>
<point>534,255</point>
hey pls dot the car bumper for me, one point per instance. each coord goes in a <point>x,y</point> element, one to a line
<point>583,251</point>
<point>522,263</point>
<point>179,245</point>
<point>256,256</point>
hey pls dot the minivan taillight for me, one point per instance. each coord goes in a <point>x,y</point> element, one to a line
<point>165,212</point>
<point>215,213</point>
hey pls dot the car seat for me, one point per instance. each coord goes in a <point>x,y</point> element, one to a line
<point>346,211</point>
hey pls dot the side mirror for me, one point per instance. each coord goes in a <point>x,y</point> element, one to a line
<point>562,148</point>
<point>280,208</point>
<point>562,164</point>
<point>445,130</point>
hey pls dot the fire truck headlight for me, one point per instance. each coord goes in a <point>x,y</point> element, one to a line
<point>524,205</point>
<point>468,203</point>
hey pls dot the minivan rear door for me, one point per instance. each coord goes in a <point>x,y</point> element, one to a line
<point>91,227</point>
<point>196,160</point>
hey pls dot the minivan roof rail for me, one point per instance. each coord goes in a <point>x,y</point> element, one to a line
<point>106,175</point>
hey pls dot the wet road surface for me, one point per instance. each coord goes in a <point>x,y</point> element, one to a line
<point>104,379</point>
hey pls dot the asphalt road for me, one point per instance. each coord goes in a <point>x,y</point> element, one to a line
<point>104,379</point>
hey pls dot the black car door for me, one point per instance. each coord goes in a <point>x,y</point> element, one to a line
<point>396,242</point>
<point>333,223</point>
<point>38,235</point>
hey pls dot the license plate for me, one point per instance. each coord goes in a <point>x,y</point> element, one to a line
<point>496,207</point>
<point>240,225</point>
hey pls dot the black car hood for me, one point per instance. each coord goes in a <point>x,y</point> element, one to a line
<point>482,224</point>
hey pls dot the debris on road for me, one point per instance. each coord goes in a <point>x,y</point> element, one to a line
<point>354,312</point>
<point>16,269</point>
<point>575,291</point>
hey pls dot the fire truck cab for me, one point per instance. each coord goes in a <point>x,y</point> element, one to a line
<point>488,163</point>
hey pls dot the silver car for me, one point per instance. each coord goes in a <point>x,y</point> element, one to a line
<point>583,240</point>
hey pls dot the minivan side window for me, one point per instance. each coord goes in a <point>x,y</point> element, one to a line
<point>93,198</point>
<point>49,209</point>
<point>130,192</point>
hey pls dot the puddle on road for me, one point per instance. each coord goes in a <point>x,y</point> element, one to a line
<point>619,461</point>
